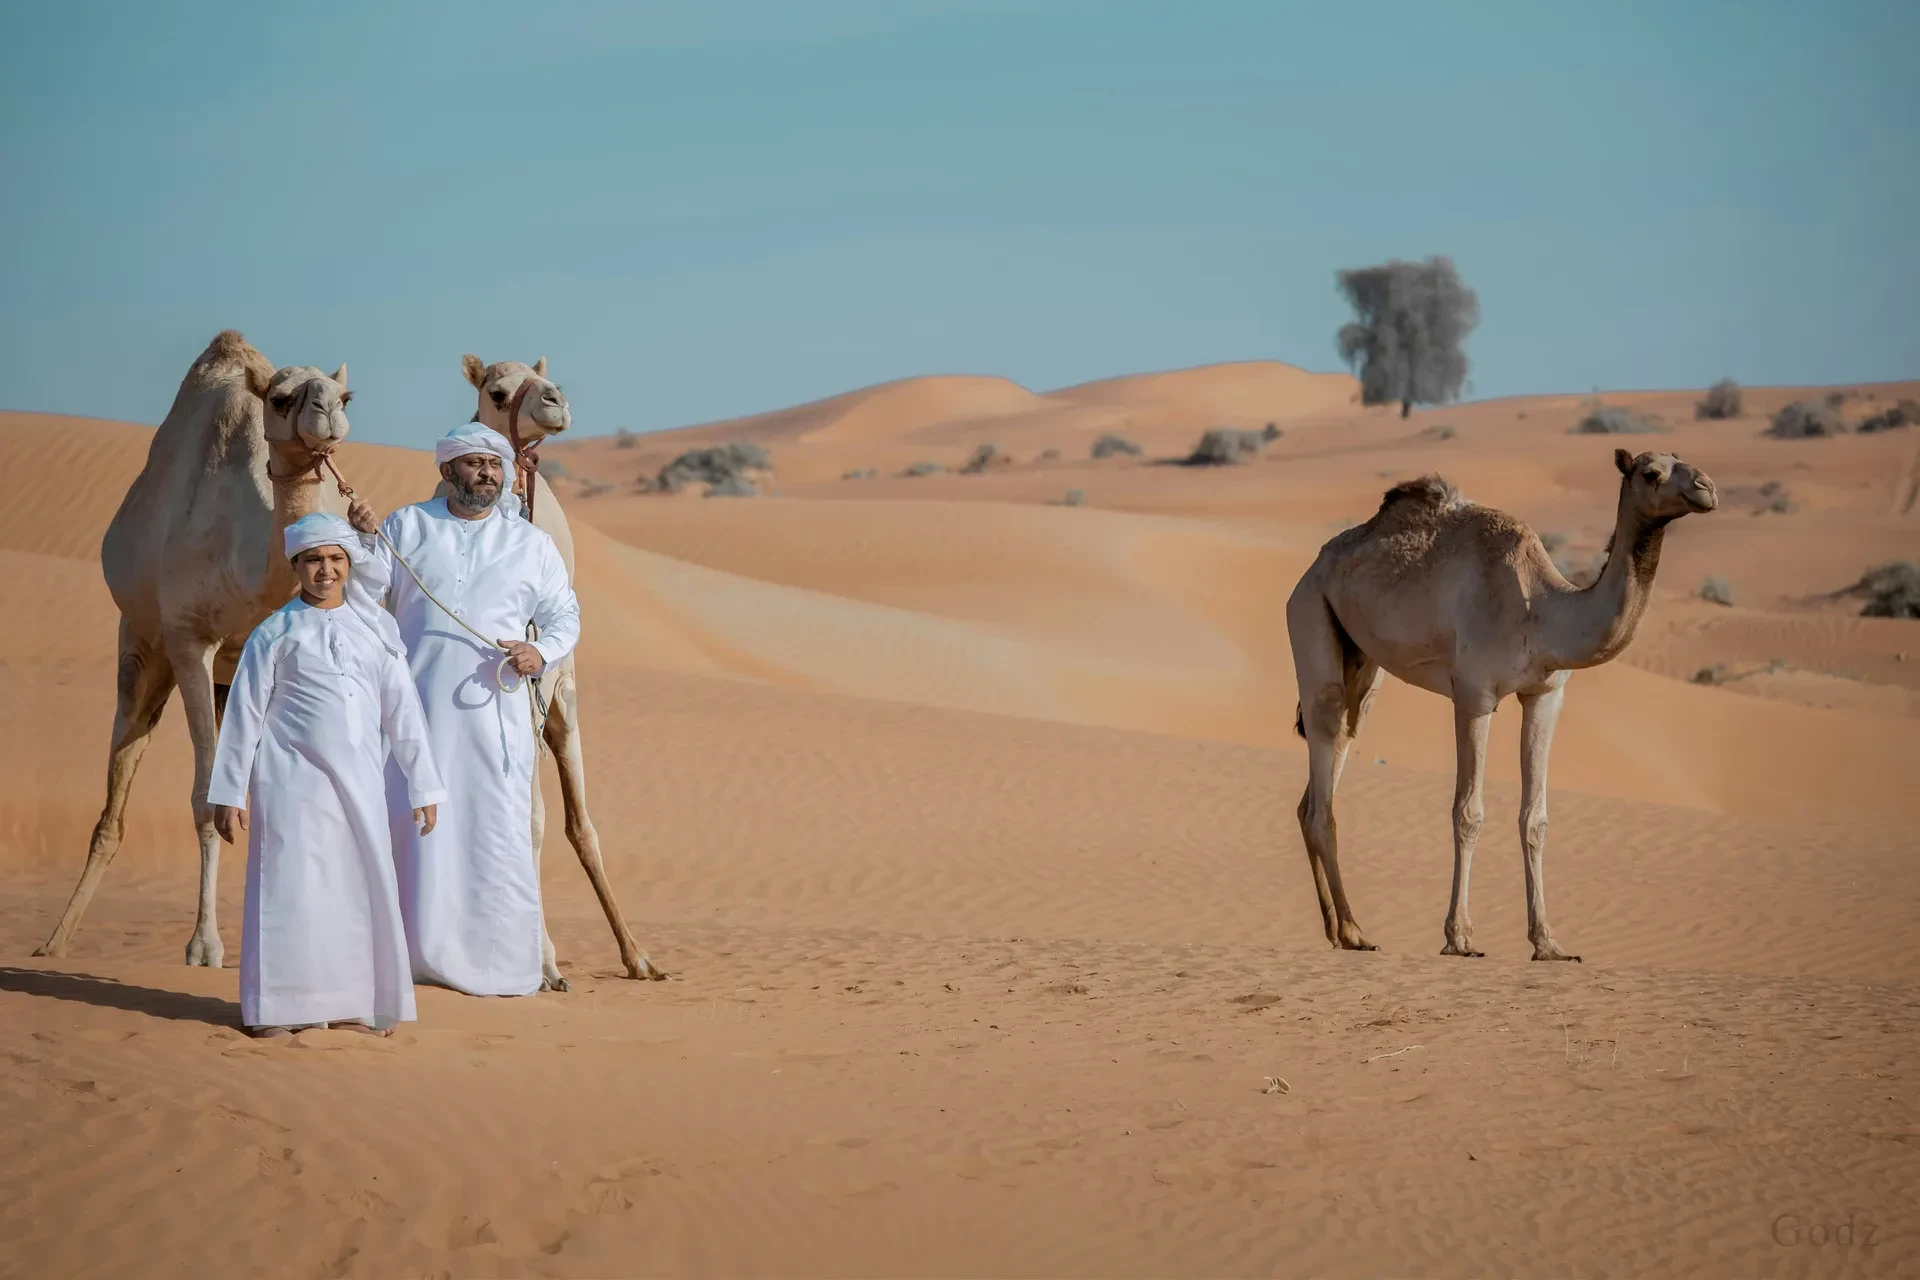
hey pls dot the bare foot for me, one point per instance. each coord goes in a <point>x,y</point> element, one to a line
<point>364,1028</point>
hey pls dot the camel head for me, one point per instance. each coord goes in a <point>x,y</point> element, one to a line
<point>543,410</point>
<point>306,410</point>
<point>1660,487</point>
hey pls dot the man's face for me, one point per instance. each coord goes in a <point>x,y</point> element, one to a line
<point>322,572</point>
<point>476,479</point>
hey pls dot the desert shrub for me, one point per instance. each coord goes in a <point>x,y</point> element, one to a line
<point>553,469</point>
<point>1835,399</point>
<point>1074,498</point>
<point>733,487</point>
<point>1111,445</point>
<point>1717,591</point>
<point>624,439</point>
<point>1224,446</point>
<point>982,459</point>
<point>1439,431</point>
<point>594,488</point>
<point>1804,420</point>
<point>1723,400</point>
<point>924,469</point>
<point>1049,455</point>
<point>1892,590</point>
<point>1554,542</point>
<point>1893,417</point>
<point>860,473</point>
<point>723,465</point>
<point>1270,433</point>
<point>1612,420</point>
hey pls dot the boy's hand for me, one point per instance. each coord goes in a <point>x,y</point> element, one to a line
<point>361,516</point>
<point>227,819</point>
<point>427,817</point>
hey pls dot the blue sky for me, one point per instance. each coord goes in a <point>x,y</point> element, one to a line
<point>696,210</point>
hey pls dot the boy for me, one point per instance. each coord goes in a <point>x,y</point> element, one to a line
<point>318,684</point>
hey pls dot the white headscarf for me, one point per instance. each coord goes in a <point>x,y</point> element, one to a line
<point>472,437</point>
<point>322,530</point>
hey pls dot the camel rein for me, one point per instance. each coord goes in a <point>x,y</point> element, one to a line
<point>536,709</point>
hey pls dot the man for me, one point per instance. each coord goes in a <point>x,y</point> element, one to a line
<point>470,892</point>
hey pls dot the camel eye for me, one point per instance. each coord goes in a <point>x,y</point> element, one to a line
<point>499,396</point>
<point>346,396</point>
<point>1652,475</point>
<point>281,403</point>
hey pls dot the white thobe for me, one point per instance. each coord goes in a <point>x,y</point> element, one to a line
<point>471,890</point>
<point>300,749</point>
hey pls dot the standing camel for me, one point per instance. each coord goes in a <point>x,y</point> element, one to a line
<point>192,559</point>
<point>1463,601</point>
<point>521,403</point>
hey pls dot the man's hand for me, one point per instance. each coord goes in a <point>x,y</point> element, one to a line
<point>426,817</point>
<point>227,820</point>
<point>361,516</point>
<point>525,658</point>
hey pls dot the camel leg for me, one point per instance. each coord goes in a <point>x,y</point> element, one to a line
<point>1336,686</point>
<point>1470,746</point>
<point>1538,716</point>
<point>192,660</point>
<point>551,978</point>
<point>563,737</point>
<point>144,681</point>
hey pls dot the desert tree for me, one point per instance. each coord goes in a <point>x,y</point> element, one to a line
<point>1408,342</point>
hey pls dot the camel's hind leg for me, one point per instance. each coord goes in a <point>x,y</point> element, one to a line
<point>563,738</point>
<point>145,679</point>
<point>192,660</point>
<point>1337,684</point>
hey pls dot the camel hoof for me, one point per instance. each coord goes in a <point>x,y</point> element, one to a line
<point>645,970</point>
<point>555,983</point>
<point>202,954</point>
<point>1451,950</point>
<point>1555,955</point>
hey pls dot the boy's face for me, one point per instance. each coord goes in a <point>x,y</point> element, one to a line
<point>323,573</point>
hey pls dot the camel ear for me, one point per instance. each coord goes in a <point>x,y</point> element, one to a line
<point>259,376</point>
<point>340,375</point>
<point>1623,460</point>
<point>476,371</point>
<point>540,367</point>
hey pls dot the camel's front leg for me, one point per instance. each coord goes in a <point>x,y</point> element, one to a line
<point>192,660</point>
<point>551,978</point>
<point>1470,745</point>
<point>1539,713</point>
<point>563,737</point>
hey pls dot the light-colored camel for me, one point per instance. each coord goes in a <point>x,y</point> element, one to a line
<point>518,399</point>
<point>1463,601</point>
<point>193,561</point>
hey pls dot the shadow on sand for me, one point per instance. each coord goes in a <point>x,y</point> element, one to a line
<point>105,993</point>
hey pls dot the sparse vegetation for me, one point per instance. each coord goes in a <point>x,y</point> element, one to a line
<point>1270,433</point>
<point>1892,418</point>
<point>1613,420</point>
<point>1723,400</point>
<point>1776,495</point>
<point>1717,591</point>
<point>1111,445</point>
<point>593,489</point>
<point>1048,455</point>
<point>1073,499</point>
<point>1892,590</point>
<point>727,468</point>
<point>1803,420</point>
<point>982,459</point>
<point>1224,446</point>
<point>1554,542</point>
<point>1408,341</point>
<point>924,469</point>
<point>552,469</point>
<point>1439,431</point>
<point>624,439</point>
<point>860,473</point>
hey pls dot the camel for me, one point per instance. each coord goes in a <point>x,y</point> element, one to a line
<point>192,559</point>
<point>520,402</point>
<point>1463,601</point>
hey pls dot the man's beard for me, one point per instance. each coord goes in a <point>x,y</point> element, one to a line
<point>475,499</point>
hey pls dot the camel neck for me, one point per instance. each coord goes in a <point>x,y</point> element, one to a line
<point>1589,627</point>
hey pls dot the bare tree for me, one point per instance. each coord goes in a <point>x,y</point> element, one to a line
<point>1409,342</point>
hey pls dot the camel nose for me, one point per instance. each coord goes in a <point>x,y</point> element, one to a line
<point>1703,494</point>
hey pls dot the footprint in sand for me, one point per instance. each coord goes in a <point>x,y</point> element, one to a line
<point>282,1165</point>
<point>468,1233</point>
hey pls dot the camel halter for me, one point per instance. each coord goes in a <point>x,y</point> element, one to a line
<point>536,709</point>
<point>526,456</point>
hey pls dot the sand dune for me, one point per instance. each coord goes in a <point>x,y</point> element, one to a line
<point>966,822</point>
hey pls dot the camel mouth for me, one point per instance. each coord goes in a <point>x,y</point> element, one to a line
<point>1701,500</point>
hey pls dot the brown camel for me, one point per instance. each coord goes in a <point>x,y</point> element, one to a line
<point>1463,601</point>
<point>519,401</point>
<point>192,559</point>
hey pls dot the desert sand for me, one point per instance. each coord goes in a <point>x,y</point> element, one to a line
<point>965,822</point>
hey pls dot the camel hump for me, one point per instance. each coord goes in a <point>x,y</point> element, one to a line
<point>1428,492</point>
<point>230,347</point>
